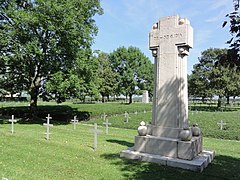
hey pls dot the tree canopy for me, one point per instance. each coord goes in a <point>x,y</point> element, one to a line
<point>134,71</point>
<point>40,38</point>
<point>234,29</point>
<point>214,75</point>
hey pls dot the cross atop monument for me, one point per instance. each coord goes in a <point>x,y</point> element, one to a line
<point>172,30</point>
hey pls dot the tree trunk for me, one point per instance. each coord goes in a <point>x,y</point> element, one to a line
<point>34,91</point>
<point>103,101</point>
<point>219,104</point>
<point>130,98</point>
<point>33,102</point>
<point>228,98</point>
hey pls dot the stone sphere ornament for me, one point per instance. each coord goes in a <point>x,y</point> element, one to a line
<point>196,131</point>
<point>181,21</point>
<point>142,129</point>
<point>185,134</point>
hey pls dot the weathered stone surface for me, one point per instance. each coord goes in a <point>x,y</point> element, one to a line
<point>170,102</point>
<point>161,146</point>
<point>170,40</point>
<point>189,149</point>
<point>164,131</point>
<point>197,164</point>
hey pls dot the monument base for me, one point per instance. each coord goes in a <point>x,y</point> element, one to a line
<point>198,163</point>
<point>170,147</point>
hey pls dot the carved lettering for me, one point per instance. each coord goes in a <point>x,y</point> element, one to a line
<point>170,36</point>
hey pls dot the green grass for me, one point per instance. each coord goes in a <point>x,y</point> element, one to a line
<point>65,111</point>
<point>207,121</point>
<point>206,116</point>
<point>69,155</point>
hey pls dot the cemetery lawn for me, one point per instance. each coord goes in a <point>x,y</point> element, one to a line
<point>69,155</point>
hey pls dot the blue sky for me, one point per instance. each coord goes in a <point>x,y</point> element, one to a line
<point>128,22</point>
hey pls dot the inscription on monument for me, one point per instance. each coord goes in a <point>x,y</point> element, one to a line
<point>170,36</point>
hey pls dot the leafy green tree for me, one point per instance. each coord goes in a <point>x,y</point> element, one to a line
<point>77,83</point>
<point>133,69</point>
<point>199,83</point>
<point>40,38</point>
<point>106,76</point>
<point>213,75</point>
<point>234,29</point>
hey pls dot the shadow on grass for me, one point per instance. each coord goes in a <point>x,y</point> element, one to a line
<point>61,115</point>
<point>121,142</point>
<point>222,167</point>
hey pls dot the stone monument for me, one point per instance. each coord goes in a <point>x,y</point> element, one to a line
<point>169,139</point>
<point>145,97</point>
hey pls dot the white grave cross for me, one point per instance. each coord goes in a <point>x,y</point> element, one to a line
<point>48,125</point>
<point>12,121</point>
<point>107,123</point>
<point>95,131</point>
<point>221,124</point>
<point>74,121</point>
<point>126,115</point>
<point>104,116</point>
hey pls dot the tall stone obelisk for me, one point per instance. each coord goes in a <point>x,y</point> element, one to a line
<point>170,40</point>
<point>169,140</point>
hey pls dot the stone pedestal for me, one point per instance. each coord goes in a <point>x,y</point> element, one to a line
<point>169,147</point>
<point>170,40</point>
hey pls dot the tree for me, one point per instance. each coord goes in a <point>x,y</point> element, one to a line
<point>199,83</point>
<point>234,29</point>
<point>106,76</point>
<point>77,83</point>
<point>132,67</point>
<point>213,75</point>
<point>40,38</point>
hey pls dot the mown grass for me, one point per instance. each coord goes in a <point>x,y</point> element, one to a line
<point>65,111</point>
<point>206,117</point>
<point>69,155</point>
<point>206,120</point>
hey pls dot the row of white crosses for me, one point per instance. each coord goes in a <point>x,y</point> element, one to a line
<point>74,121</point>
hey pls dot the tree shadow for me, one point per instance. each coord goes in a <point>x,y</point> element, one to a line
<point>61,115</point>
<point>222,167</point>
<point>121,142</point>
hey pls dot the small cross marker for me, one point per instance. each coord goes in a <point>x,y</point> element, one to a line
<point>107,123</point>
<point>12,121</point>
<point>95,131</point>
<point>48,125</point>
<point>221,124</point>
<point>74,121</point>
<point>126,115</point>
